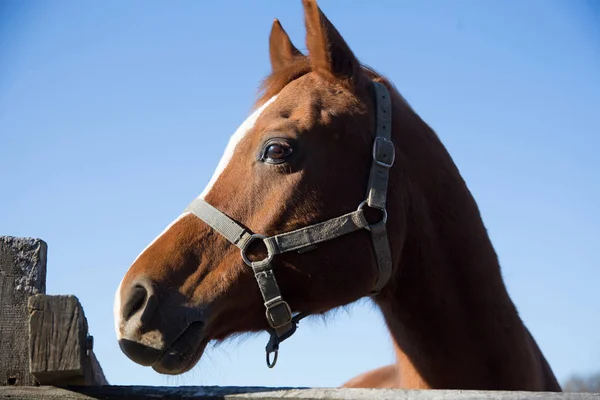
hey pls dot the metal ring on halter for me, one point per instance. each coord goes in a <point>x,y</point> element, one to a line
<point>245,246</point>
<point>383,210</point>
<point>270,363</point>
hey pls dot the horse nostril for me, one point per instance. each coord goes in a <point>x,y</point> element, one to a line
<point>141,301</point>
<point>136,301</point>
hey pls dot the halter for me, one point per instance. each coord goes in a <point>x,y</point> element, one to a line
<point>278,312</point>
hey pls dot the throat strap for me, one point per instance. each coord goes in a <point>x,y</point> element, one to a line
<point>278,312</point>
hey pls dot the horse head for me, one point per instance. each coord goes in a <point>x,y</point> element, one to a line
<point>269,238</point>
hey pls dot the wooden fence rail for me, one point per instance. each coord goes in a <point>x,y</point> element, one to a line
<point>266,393</point>
<point>46,351</point>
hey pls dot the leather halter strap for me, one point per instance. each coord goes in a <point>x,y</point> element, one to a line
<point>278,312</point>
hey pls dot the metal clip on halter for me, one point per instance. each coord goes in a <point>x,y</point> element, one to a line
<point>272,348</point>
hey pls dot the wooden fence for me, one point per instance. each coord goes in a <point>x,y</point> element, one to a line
<point>46,351</point>
<point>44,339</point>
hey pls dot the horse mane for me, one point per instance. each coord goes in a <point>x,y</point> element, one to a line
<point>281,77</point>
<point>300,66</point>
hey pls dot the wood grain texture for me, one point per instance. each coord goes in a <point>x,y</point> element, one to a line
<point>22,274</point>
<point>266,393</point>
<point>60,349</point>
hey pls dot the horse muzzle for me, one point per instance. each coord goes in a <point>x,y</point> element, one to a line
<point>158,331</point>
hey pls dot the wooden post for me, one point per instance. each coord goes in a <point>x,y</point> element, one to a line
<point>61,350</point>
<point>22,274</point>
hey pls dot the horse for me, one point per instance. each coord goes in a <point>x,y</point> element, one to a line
<point>332,190</point>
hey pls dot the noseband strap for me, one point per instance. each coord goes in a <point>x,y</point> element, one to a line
<point>278,312</point>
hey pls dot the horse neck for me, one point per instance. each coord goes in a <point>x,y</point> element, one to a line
<point>452,320</point>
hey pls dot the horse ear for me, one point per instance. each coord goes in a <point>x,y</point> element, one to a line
<point>281,48</point>
<point>328,52</point>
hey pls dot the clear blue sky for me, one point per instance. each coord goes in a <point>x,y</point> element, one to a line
<point>113,116</point>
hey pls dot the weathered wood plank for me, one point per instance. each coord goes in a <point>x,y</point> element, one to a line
<point>265,393</point>
<point>22,274</point>
<point>61,351</point>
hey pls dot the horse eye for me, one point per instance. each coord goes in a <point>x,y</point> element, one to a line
<point>277,153</point>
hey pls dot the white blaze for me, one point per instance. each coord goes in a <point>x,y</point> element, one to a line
<point>233,141</point>
<point>239,134</point>
<point>117,304</point>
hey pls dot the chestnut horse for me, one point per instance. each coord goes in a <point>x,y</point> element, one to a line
<point>332,190</point>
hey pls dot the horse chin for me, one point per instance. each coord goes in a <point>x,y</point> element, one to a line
<point>184,353</point>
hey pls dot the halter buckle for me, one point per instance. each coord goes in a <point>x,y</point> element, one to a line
<point>271,305</point>
<point>384,152</point>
